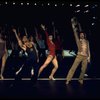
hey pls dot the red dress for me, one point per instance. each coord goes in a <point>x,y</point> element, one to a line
<point>51,46</point>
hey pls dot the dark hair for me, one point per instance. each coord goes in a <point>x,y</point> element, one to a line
<point>84,34</point>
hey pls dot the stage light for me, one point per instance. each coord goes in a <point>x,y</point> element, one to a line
<point>48,4</point>
<point>35,4</point>
<point>86,6</point>
<point>71,5</point>
<point>27,3</point>
<point>78,11</point>
<point>93,24</point>
<point>86,11</point>
<point>78,5</point>
<point>21,3</point>
<point>94,17</point>
<point>13,3</point>
<point>96,5</point>
<point>6,3</point>
<point>55,5</point>
<point>62,4</point>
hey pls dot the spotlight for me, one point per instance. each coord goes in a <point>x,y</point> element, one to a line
<point>71,5</point>
<point>55,5</point>
<point>86,6</point>
<point>13,3</point>
<point>48,4</point>
<point>22,3</point>
<point>86,11</point>
<point>96,5</point>
<point>78,11</point>
<point>62,4</point>
<point>94,17</point>
<point>78,5</point>
<point>93,24</point>
<point>35,4</point>
<point>27,3</point>
<point>6,3</point>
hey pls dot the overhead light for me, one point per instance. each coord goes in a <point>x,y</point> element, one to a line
<point>13,3</point>
<point>78,5</point>
<point>62,4</point>
<point>94,17</point>
<point>71,5</point>
<point>48,4</point>
<point>86,11</point>
<point>93,24</point>
<point>55,5</point>
<point>22,3</point>
<point>78,11</point>
<point>35,4</point>
<point>6,3</point>
<point>27,3</point>
<point>96,5</point>
<point>86,6</point>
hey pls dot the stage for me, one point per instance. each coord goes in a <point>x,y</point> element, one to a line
<point>47,89</point>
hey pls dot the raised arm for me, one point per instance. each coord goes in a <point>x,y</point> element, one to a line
<point>19,41</point>
<point>54,31</point>
<point>75,30</point>
<point>25,31</point>
<point>37,36</point>
<point>46,33</point>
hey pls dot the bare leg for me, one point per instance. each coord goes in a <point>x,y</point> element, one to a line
<point>48,60</point>
<point>4,58</point>
<point>55,63</point>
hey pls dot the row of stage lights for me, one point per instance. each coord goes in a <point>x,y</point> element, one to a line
<point>53,4</point>
<point>56,4</point>
<point>46,4</point>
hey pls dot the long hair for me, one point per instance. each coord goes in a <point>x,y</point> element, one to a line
<point>84,34</point>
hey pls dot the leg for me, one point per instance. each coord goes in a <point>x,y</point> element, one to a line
<point>83,69</point>
<point>35,75</point>
<point>48,60</point>
<point>73,68</point>
<point>55,63</point>
<point>4,58</point>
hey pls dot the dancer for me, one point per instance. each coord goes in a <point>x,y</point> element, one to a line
<point>41,44</point>
<point>51,57</point>
<point>31,59</point>
<point>83,54</point>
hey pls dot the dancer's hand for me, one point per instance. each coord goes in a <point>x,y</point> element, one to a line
<point>43,27</point>
<point>88,59</point>
<point>14,30</point>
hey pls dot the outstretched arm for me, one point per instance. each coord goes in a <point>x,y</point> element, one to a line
<point>37,35</point>
<point>25,31</point>
<point>43,27</point>
<point>54,34</point>
<point>75,30</point>
<point>19,41</point>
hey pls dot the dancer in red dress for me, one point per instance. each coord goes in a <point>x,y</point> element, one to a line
<point>51,57</point>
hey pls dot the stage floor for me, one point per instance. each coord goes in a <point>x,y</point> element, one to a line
<point>46,89</point>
